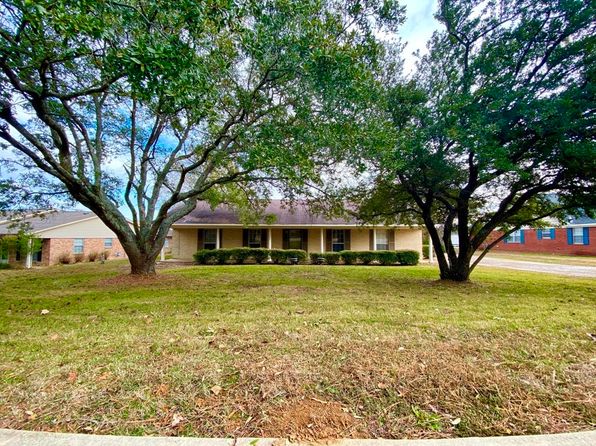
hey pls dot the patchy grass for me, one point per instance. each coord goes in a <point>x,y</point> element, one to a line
<point>557,259</point>
<point>306,352</point>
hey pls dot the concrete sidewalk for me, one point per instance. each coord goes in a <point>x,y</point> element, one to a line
<point>25,438</point>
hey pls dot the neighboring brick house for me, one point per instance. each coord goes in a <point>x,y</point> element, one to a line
<point>63,232</point>
<point>576,238</point>
<point>285,228</point>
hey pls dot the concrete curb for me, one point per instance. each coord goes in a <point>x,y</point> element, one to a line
<point>10,437</point>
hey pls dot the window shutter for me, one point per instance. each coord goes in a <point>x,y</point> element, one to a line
<point>328,240</point>
<point>586,236</point>
<point>552,233</point>
<point>348,239</point>
<point>371,240</point>
<point>539,234</point>
<point>263,238</point>
<point>245,237</point>
<point>200,239</point>
<point>285,239</point>
<point>220,238</point>
<point>570,236</point>
<point>304,240</point>
<point>391,238</point>
<point>522,238</point>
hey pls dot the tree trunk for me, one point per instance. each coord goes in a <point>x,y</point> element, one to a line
<point>142,265</point>
<point>458,272</point>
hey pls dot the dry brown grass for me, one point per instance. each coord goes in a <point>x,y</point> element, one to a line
<point>309,353</point>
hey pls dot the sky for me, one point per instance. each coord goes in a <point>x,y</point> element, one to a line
<point>418,28</point>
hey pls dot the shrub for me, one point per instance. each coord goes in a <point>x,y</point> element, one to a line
<point>367,257</point>
<point>315,257</point>
<point>278,256</point>
<point>4,265</point>
<point>206,256</point>
<point>387,257</point>
<point>260,254</point>
<point>65,258</point>
<point>78,258</point>
<point>106,254</point>
<point>349,257</point>
<point>93,256</point>
<point>408,257</point>
<point>299,254</point>
<point>331,258</point>
<point>425,249</point>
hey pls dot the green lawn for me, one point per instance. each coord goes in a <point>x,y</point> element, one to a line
<point>304,351</point>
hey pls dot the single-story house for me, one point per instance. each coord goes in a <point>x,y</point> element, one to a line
<point>285,227</point>
<point>578,237</point>
<point>61,233</point>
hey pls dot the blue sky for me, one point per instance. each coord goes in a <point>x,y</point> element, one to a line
<point>418,27</point>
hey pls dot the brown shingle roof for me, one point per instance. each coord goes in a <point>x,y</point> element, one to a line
<point>298,214</point>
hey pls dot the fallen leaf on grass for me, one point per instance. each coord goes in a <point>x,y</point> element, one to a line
<point>72,377</point>
<point>216,390</point>
<point>44,312</point>
<point>30,415</point>
<point>176,420</point>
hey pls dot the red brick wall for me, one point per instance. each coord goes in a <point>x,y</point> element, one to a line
<point>53,248</point>
<point>557,246</point>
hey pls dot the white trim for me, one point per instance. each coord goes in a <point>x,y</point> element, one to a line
<point>322,240</point>
<point>374,239</point>
<point>217,241</point>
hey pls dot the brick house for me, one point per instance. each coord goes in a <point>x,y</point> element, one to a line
<point>62,233</point>
<point>285,228</point>
<point>576,238</point>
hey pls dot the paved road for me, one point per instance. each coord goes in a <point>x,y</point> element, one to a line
<point>549,268</point>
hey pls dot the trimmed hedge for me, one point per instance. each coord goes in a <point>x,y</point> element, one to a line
<point>425,249</point>
<point>242,255</point>
<point>284,256</point>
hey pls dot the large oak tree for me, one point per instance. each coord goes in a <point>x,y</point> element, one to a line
<point>156,104</point>
<point>495,130</point>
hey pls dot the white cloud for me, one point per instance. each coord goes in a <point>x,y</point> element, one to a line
<point>418,28</point>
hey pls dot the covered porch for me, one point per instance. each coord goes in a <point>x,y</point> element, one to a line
<point>187,239</point>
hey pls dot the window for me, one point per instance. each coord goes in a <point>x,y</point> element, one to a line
<point>78,246</point>
<point>294,239</point>
<point>210,238</point>
<point>382,240</point>
<point>338,240</point>
<point>515,237</point>
<point>578,236</point>
<point>254,238</point>
<point>546,234</point>
<point>107,243</point>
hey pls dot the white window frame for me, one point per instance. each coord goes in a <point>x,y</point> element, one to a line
<point>338,240</point>
<point>78,248</point>
<point>514,237</point>
<point>210,242</point>
<point>546,234</point>
<point>578,235</point>
<point>382,239</point>
<point>108,243</point>
<point>254,238</point>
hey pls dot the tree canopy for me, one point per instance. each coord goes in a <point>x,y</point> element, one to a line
<point>495,130</point>
<point>155,104</point>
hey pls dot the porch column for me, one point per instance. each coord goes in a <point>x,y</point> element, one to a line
<point>29,258</point>
<point>374,239</point>
<point>162,254</point>
<point>217,241</point>
<point>322,240</point>
<point>430,250</point>
<point>269,239</point>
